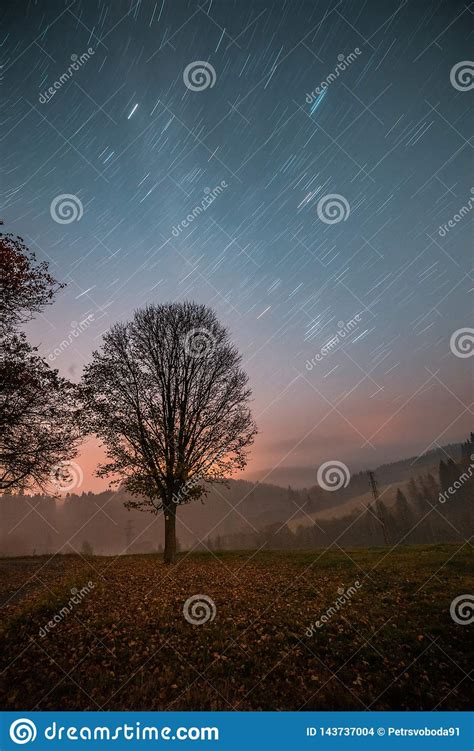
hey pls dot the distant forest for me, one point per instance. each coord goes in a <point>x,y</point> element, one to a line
<point>429,510</point>
<point>420,500</point>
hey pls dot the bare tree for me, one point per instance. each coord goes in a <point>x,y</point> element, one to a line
<point>169,400</point>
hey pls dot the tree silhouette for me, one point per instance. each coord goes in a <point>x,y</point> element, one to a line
<point>403,515</point>
<point>25,285</point>
<point>36,404</point>
<point>169,400</point>
<point>36,417</point>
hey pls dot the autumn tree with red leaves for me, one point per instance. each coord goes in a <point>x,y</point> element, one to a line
<point>37,429</point>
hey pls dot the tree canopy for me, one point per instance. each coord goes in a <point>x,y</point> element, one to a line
<point>37,429</point>
<point>26,285</point>
<point>167,396</point>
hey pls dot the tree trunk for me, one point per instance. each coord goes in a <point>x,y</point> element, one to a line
<point>170,534</point>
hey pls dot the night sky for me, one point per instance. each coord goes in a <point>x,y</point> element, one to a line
<point>139,140</point>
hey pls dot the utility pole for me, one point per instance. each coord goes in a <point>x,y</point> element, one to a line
<point>377,504</point>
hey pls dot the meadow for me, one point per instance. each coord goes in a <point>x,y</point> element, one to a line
<point>389,642</point>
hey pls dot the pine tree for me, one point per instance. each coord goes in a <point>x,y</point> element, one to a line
<point>404,516</point>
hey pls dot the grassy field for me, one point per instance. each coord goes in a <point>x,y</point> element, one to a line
<point>127,644</point>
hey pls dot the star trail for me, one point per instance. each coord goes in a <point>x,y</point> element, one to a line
<point>305,168</point>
